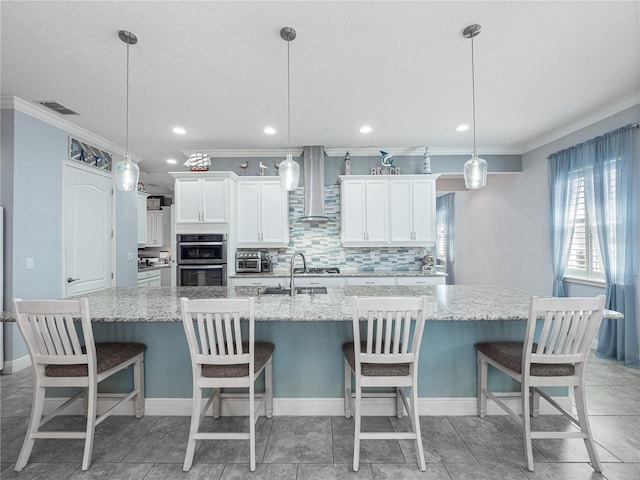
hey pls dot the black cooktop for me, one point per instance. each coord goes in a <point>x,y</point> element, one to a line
<point>317,271</point>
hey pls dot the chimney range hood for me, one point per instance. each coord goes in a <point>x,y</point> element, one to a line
<point>314,185</point>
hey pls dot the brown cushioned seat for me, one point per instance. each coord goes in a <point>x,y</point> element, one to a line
<point>509,354</point>
<point>261,354</point>
<point>108,356</point>
<point>373,369</point>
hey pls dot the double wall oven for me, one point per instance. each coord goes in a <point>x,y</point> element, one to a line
<point>201,260</point>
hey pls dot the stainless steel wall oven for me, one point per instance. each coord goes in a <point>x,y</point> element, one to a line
<point>201,260</point>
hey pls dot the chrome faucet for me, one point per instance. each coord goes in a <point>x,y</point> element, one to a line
<point>304,266</point>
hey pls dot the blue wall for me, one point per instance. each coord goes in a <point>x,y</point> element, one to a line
<point>33,155</point>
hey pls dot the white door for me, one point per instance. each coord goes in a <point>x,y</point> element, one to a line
<point>88,227</point>
<point>273,209</point>
<point>214,200</point>
<point>248,203</point>
<point>400,211</point>
<point>424,210</point>
<point>188,193</point>
<point>353,211</point>
<point>377,211</point>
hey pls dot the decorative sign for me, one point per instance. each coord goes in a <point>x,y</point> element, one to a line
<point>89,155</point>
<point>385,171</point>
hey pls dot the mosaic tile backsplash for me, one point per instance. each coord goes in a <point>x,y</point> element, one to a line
<point>320,243</point>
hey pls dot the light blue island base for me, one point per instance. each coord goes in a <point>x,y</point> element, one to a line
<point>308,364</point>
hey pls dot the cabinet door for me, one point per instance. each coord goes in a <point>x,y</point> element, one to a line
<point>424,210</point>
<point>214,200</point>
<point>274,209</point>
<point>154,229</point>
<point>188,200</point>
<point>154,281</point>
<point>377,211</point>
<point>353,211</point>
<point>400,211</point>
<point>142,218</point>
<point>248,213</point>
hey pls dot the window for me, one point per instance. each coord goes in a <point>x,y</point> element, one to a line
<point>441,247</point>
<point>584,251</point>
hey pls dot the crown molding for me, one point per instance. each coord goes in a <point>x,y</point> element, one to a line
<point>258,153</point>
<point>53,119</point>
<point>354,152</point>
<point>594,117</point>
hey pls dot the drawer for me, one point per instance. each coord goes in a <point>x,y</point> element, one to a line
<point>259,282</point>
<point>318,282</point>
<point>421,280</point>
<point>371,281</point>
<point>148,274</point>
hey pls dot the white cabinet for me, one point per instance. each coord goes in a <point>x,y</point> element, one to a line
<point>201,198</point>
<point>386,211</point>
<point>431,280</point>
<point>141,213</point>
<point>155,228</point>
<point>259,282</point>
<point>412,212</point>
<point>364,212</point>
<point>319,282</point>
<point>149,278</point>
<point>371,281</point>
<point>262,213</point>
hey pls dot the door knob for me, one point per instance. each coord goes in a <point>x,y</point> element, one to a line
<point>71,280</point>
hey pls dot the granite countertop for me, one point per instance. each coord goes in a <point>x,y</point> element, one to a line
<point>345,273</point>
<point>445,303</point>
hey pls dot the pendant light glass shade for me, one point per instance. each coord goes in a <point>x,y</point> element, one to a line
<point>125,171</point>
<point>475,172</point>
<point>475,169</point>
<point>289,173</point>
<point>289,170</point>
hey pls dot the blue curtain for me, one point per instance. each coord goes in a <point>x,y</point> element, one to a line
<point>606,165</point>
<point>561,173</point>
<point>445,208</point>
<point>612,159</point>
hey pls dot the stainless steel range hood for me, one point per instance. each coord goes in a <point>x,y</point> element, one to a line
<point>314,185</point>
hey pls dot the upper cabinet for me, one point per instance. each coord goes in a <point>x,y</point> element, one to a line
<point>141,211</point>
<point>155,227</point>
<point>262,211</point>
<point>412,210</point>
<point>388,210</point>
<point>201,197</point>
<point>364,212</point>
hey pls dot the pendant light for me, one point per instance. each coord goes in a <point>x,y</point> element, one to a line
<point>475,169</point>
<point>126,171</point>
<point>289,170</point>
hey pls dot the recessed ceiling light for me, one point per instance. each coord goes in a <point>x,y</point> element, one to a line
<point>462,128</point>
<point>365,129</point>
<point>269,130</point>
<point>179,130</point>
<point>171,160</point>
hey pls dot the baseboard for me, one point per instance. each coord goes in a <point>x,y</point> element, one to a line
<point>13,366</point>
<point>378,406</point>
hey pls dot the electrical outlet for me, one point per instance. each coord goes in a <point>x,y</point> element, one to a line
<point>30,263</point>
<point>130,257</point>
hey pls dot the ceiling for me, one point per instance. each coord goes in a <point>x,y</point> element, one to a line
<point>219,69</point>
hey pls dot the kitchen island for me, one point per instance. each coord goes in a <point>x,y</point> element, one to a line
<point>308,331</point>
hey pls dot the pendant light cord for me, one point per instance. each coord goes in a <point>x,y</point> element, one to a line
<point>473,97</point>
<point>127,110</point>
<point>288,97</point>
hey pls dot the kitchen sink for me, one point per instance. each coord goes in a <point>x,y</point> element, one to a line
<point>299,291</point>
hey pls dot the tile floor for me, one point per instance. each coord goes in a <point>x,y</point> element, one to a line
<point>321,448</point>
